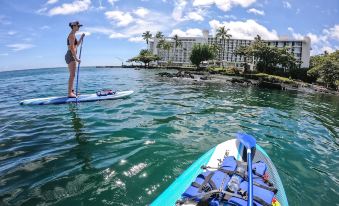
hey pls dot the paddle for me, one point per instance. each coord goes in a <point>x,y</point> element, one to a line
<point>76,88</point>
<point>249,142</point>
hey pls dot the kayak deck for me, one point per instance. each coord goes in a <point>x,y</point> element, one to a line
<point>211,159</point>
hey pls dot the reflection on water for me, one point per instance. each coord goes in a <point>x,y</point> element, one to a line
<point>126,152</point>
<point>82,151</point>
<point>77,124</point>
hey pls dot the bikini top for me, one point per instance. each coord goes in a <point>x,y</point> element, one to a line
<point>75,42</point>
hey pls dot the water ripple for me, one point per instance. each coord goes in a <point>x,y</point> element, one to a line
<point>107,152</point>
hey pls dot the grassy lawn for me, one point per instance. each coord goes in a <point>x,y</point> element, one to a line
<point>274,78</point>
<point>225,71</point>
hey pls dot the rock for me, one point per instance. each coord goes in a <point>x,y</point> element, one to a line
<point>204,78</point>
<point>166,74</point>
<point>184,75</point>
<point>269,85</point>
<point>234,80</point>
<point>243,82</point>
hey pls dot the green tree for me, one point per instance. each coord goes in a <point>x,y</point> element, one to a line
<point>145,56</point>
<point>215,48</point>
<point>286,59</point>
<point>201,52</point>
<point>167,46</point>
<point>147,36</point>
<point>222,33</point>
<point>246,53</point>
<point>269,59</point>
<point>325,69</point>
<point>159,35</point>
<point>161,43</point>
<point>177,41</point>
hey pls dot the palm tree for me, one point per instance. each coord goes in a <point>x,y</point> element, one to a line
<point>160,39</point>
<point>215,48</point>
<point>159,35</point>
<point>167,46</point>
<point>161,43</point>
<point>257,38</point>
<point>177,41</point>
<point>146,36</point>
<point>222,33</point>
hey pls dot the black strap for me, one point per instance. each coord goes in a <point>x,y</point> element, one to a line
<point>261,201</point>
<point>272,189</point>
<point>243,195</point>
<point>208,180</point>
<point>245,177</point>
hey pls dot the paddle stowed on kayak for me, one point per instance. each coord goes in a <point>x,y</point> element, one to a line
<point>220,177</point>
<point>101,95</point>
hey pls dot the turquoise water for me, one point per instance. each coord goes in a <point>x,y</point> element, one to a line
<point>126,152</point>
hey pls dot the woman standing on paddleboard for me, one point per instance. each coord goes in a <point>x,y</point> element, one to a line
<point>71,55</point>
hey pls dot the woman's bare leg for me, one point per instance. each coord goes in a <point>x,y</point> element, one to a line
<point>71,67</point>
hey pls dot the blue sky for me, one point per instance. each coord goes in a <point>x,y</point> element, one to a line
<point>33,33</point>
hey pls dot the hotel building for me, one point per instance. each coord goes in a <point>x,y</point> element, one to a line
<point>180,56</point>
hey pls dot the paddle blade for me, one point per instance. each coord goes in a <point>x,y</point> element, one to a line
<point>247,140</point>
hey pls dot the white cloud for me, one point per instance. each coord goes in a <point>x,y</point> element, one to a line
<point>70,8</point>
<point>187,33</point>
<point>20,47</point>
<point>230,17</point>
<point>112,1</point>
<point>45,27</point>
<point>224,5</point>
<point>179,9</point>
<point>11,33</point>
<point>3,54</point>
<point>244,29</point>
<point>183,12</point>
<point>52,1</point>
<point>256,11</point>
<point>314,38</point>
<point>321,42</point>
<point>334,32</point>
<point>42,10</point>
<point>327,49</point>
<point>155,22</point>
<point>195,16</point>
<point>136,39</point>
<point>116,35</point>
<point>87,33</point>
<point>121,18</point>
<point>295,35</point>
<point>287,4</point>
<point>133,24</point>
<point>141,12</point>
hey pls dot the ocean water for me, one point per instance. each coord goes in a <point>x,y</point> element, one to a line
<point>127,151</point>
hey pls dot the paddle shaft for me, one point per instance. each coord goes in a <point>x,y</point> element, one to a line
<point>249,142</point>
<point>77,83</point>
<point>250,178</point>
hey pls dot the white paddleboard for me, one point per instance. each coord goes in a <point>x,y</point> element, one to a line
<point>81,98</point>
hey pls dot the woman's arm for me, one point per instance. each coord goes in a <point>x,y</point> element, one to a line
<point>81,39</point>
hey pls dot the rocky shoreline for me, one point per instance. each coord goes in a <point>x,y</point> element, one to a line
<point>202,76</point>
